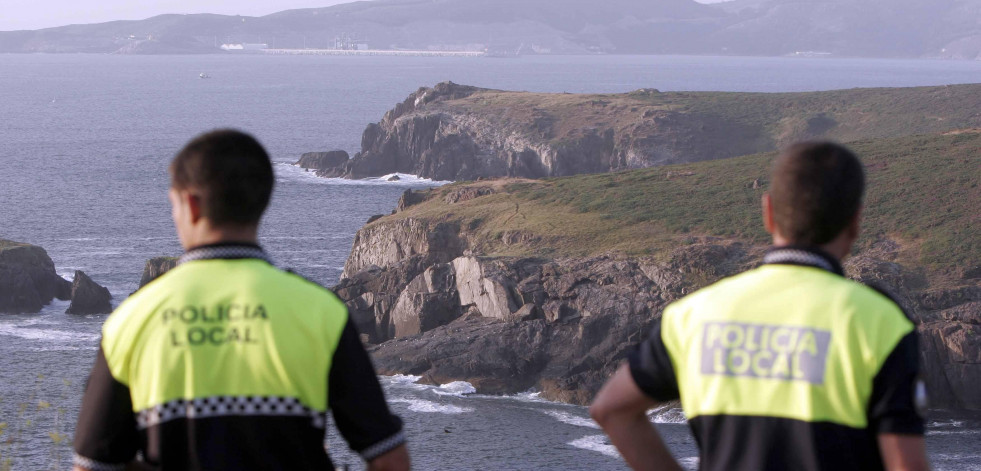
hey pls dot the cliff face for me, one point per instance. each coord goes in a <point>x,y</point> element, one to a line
<point>28,280</point>
<point>155,267</point>
<point>562,325</point>
<point>512,284</point>
<point>457,132</point>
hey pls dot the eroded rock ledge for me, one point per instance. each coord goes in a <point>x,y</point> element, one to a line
<point>434,309</point>
<point>28,280</point>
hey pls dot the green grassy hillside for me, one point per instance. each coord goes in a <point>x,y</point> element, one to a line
<point>709,125</point>
<point>923,192</point>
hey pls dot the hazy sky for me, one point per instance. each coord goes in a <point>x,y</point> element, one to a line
<point>35,14</point>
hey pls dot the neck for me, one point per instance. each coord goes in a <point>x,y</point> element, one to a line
<point>207,235</point>
<point>838,248</point>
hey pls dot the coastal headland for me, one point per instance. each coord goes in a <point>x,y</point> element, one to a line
<point>458,132</point>
<point>514,282</point>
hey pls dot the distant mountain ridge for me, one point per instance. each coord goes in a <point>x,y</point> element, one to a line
<point>865,28</point>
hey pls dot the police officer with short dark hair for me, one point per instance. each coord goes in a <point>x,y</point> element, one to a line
<point>226,362</point>
<point>789,365</point>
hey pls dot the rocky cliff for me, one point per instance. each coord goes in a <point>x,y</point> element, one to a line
<point>28,280</point>
<point>88,297</point>
<point>517,284</point>
<point>155,267</point>
<point>457,132</point>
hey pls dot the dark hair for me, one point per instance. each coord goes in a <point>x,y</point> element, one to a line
<point>816,190</point>
<point>231,173</point>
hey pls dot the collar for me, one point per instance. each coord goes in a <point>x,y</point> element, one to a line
<point>225,251</point>
<point>804,256</point>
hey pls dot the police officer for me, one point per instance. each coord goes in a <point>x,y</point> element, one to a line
<point>789,365</point>
<point>227,362</point>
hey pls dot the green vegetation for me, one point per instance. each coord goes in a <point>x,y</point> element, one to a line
<point>6,244</point>
<point>724,124</point>
<point>923,193</point>
<point>23,429</point>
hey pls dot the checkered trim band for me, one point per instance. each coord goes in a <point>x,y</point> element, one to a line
<point>225,406</point>
<point>798,257</point>
<point>224,252</point>
<point>384,446</point>
<point>93,465</point>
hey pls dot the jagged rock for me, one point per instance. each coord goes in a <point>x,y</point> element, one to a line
<point>467,193</point>
<point>484,286</point>
<point>28,280</point>
<point>88,297</point>
<point>951,356</point>
<point>528,312</point>
<point>155,267</point>
<point>323,160</point>
<point>385,244</point>
<point>428,301</point>
<point>410,198</point>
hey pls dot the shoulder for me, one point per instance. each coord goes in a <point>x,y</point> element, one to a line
<point>293,282</point>
<point>874,304</point>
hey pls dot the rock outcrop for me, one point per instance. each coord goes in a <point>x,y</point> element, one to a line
<point>457,132</point>
<point>323,160</point>
<point>88,297</point>
<point>28,280</point>
<point>155,267</point>
<point>506,324</point>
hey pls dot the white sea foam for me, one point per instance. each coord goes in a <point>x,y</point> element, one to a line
<point>953,432</point>
<point>46,335</point>
<point>456,388</point>
<point>62,349</point>
<point>667,414</point>
<point>527,396</point>
<point>424,406</point>
<point>597,443</point>
<point>946,423</point>
<point>690,462</point>
<point>572,419</point>
<point>290,172</point>
<point>401,379</point>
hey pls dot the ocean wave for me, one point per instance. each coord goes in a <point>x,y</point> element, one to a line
<point>946,423</point>
<point>400,379</point>
<point>527,396</point>
<point>62,349</point>
<point>572,419</point>
<point>690,462</point>
<point>289,172</point>
<point>424,406</point>
<point>667,414</point>
<point>953,432</point>
<point>46,335</point>
<point>456,388</point>
<point>597,443</point>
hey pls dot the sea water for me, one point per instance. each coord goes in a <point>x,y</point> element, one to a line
<point>84,145</point>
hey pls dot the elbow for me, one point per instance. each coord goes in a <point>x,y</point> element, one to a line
<point>600,413</point>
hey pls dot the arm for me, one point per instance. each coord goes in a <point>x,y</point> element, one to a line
<point>395,460</point>
<point>896,407</point>
<point>358,404</point>
<point>903,452</point>
<point>621,409</point>
<point>106,436</point>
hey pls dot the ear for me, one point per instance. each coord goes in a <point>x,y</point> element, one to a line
<point>193,206</point>
<point>855,225</point>
<point>767,207</point>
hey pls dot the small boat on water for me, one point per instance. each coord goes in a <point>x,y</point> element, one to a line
<point>204,75</point>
